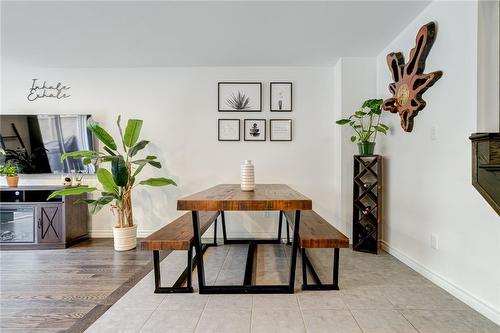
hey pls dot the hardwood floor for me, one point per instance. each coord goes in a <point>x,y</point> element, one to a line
<point>67,289</point>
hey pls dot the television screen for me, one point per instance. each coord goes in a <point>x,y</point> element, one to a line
<point>36,142</point>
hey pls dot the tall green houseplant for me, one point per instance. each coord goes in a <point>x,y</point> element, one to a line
<point>366,123</point>
<point>118,183</point>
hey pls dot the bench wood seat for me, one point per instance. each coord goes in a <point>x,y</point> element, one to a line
<point>178,234</point>
<point>316,232</point>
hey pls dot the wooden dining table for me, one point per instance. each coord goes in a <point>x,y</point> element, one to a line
<point>230,197</point>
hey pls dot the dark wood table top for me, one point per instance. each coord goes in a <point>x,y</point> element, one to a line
<point>231,197</point>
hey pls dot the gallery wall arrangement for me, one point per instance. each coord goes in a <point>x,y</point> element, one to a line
<point>240,97</point>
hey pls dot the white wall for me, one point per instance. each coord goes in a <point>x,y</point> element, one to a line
<point>428,187</point>
<point>179,108</point>
<point>488,107</point>
<point>355,83</point>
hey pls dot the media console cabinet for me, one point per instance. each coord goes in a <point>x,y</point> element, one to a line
<point>29,221</point>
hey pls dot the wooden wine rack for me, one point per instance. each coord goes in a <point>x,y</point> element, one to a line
<point>367,203</point>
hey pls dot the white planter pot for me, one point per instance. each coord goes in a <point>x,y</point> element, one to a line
<point>125,238</point>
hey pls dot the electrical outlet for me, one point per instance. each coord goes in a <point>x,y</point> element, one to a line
<point>434,242</point>
<point>434,133</point>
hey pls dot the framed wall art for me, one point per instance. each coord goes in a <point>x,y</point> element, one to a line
<point>240,97</point>
<point>280,129</point>
<point>280,96</point>
<point>255,130</point>
<point>228,130</point>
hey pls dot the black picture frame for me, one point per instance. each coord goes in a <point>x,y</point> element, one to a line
<point>219,107</point>
<point>245,129</point>
<point>271,97</point>
<point>219,132</point>
<point>271,129</point>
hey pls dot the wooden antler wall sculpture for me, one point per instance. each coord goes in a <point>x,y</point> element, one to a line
<point>410,82</point>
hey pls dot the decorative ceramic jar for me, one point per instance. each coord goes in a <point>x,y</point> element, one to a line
<point>247,176</point>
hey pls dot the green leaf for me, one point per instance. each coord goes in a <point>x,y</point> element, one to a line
<point>360,113</point>
<point>138,170</point>
<point>97,205</point>
<point>119,125</point>
<point>381,129</point>
<point>106,179</point>
<point>342,121</point>
<point>138,146</point>
<point>81,154</point>
<point>372,103</point>
<point>109,151</point>
<point>353,138</point>
<point>72,191</point>
<point>119,171</point>
<point>101,134</point>
<point>132,132</point>
<point>384,126</point>
<point>87,161</point>
<point>158,182</point>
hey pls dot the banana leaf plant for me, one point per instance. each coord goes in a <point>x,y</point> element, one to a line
<point>125,167</point>
<point>366,121</point>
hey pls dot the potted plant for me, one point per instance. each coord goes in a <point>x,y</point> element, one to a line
<point>118,183</point>
<point>9,170</point>
<point>366,123</point>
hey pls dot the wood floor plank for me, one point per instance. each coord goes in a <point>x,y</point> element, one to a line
<point>67,289</point>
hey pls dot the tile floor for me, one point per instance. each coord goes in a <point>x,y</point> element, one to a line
<point>378,294</point>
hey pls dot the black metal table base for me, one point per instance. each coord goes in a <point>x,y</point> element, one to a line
<point>248,286</point>
<point>318,285</point>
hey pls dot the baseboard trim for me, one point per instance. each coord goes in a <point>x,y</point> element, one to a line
<point>480,306</point>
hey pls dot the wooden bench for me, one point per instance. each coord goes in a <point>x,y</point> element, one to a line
<point>316,232</point>
<point>178,235</point>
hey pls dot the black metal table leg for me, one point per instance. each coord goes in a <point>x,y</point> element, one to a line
<point>295,244</point>
<point>223,221</point>
<point>197,246</point>
<point>280,225</point>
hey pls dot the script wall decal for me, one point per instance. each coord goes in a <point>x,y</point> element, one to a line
<point>45,90</point>
<point>410,82</point>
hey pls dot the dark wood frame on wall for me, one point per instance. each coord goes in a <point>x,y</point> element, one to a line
<point>271,129</point>
<point>232,119</point>
<point>218,96</point>
<point>271,96</point>
<point>245,129</point>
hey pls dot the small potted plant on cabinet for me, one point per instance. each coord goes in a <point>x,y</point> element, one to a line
<point>118,183</point>
<point>9,170</point>
<point>366,123</point>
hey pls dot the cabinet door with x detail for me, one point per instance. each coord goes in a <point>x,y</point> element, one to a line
<point>50,226</point>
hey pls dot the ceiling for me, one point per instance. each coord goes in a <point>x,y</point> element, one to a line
<point>206,33</point>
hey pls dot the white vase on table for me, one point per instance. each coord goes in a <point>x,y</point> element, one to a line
<point>247,176</point>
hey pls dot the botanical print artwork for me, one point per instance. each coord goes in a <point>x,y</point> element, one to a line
<point>280,129</point>
<point>281,96</point>
<point>239,102</point>
<point>255,130</point>
<point>229,130</point>
<point>240,97</point>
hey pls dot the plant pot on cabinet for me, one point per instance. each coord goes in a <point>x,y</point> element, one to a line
<point>12,181</point>
<point>366,148</point>
<point>125,238</point>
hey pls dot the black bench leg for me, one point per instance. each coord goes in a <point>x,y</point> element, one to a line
<point>280,226</point>
<point>185,276</point>
<point>318,285</point>
<point>156,268</point>
<point>223,221</point>
<point>304,268</point>
<point>215,232</point>
<point>336,253</point>
<point>288,235</point>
